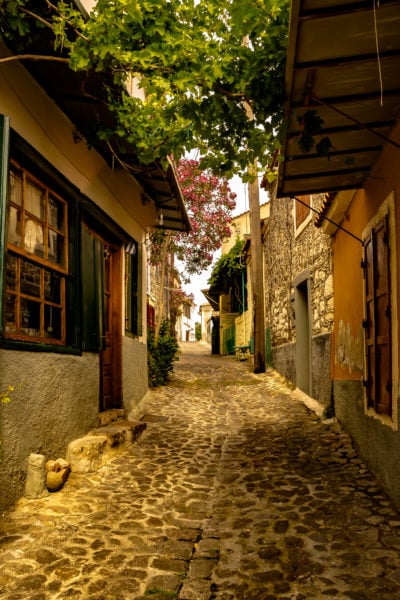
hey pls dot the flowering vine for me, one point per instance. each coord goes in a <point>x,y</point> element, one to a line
<point>209,203</point>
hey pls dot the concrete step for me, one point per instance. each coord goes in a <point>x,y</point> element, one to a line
<point>99,446</point>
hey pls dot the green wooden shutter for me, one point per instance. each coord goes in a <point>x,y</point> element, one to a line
<point>139,295</point>
<point>92,269</point>
<point>128,292</point>
<point>4,158</point>
<point>133,282</point>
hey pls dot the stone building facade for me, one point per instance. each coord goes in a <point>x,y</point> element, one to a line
<point>299,295</point>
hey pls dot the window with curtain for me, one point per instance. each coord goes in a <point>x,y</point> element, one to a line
<point>36,260</point>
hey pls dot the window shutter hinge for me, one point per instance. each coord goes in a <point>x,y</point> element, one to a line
<point>365,323</point>
<point>363,264</point>
<point>365,382</point>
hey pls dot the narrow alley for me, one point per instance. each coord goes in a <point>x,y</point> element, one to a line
<point>235,491</point>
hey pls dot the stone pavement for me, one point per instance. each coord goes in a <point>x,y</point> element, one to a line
<point>235,491</point>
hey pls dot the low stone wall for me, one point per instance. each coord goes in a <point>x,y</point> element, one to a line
<point>134,372</point>
<point>284,361</point>
<point>377,443</point>
<point>321,383</point>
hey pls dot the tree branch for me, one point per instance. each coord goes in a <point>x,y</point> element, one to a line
<point>33,57</point>
<point>42,20</point>
<point>37,17</point>
<point>233,95</point>
<point>170,137</point>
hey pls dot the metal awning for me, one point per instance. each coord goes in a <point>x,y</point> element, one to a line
<point>343,62</point>
<point>212,299</point>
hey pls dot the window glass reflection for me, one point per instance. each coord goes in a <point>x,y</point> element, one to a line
<point>56,213</point>
<point>14,226</point>
<point>30,317</point>
<point>52,286</point>
<point>52,322</point>
<point>35,200</point>
<point>11,271</point>
<point>30,278</point>
<point>15,184</point>
<point>34,239</point>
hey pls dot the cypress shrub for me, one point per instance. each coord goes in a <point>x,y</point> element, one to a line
<point>161,357</point>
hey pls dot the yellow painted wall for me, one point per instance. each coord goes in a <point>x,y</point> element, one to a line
<point>243,329</point>
<point>240,227</point>
<point>347,358</point>
<point>348,294</point>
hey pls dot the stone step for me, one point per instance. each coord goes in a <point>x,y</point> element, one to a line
<point>99,446</point>
<point>109,416</point>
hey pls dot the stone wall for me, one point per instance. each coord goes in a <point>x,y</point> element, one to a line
<point>278,244</point>
<point>290,255</point>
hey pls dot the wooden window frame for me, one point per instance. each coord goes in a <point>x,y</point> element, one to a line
<point>378,340</point>
<point>302,214</point>
<point>386,212</point>
<point>41,263</point>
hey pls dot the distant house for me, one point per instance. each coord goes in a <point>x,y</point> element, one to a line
<point>335,52</point>
<point>185,322</point>
<point>231,297</point>
<point>161,281</point>
<point>206,312</point>
<point>72,263</point>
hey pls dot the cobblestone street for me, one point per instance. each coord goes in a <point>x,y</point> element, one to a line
<point>235,491</point>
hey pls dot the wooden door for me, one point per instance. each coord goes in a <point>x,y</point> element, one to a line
<point>101,312</point>
<point>110,354</point>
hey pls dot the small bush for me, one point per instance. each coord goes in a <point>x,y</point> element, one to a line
<point>161,358</point>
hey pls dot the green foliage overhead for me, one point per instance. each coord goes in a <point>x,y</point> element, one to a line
<point>203,65</point>
<point>228,268</point>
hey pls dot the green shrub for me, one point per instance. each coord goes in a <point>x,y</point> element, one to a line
<point>197,331</point>
<point>161,357</point>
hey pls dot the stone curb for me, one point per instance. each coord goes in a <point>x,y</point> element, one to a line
<point>90,452</point>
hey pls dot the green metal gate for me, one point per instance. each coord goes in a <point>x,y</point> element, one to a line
<point>228,340</point>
